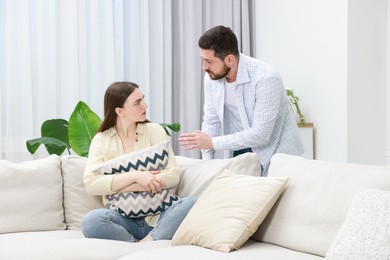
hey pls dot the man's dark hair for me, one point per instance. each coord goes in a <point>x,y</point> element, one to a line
<point>221,40</point>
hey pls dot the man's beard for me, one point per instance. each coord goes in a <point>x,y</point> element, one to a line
<point>216,76</point>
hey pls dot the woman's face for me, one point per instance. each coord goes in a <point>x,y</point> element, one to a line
<point>134,108</point>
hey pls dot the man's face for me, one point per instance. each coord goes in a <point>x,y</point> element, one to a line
<point>215,67</point>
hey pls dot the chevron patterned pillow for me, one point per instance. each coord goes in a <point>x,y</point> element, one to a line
<point>139,204</point>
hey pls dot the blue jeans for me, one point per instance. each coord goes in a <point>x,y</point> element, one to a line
<point>109,224</point>
<point>242,151</point>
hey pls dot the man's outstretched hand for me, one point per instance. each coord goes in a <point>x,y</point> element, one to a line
<point>195,140</point>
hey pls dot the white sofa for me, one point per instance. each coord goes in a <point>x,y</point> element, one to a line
<point>43,201</point>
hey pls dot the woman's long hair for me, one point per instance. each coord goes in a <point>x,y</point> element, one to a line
<point>115,96</point>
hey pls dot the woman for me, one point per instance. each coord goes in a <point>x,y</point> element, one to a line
<point>125,129</point>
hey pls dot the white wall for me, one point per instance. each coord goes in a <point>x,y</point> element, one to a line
<point>367,81</point>
<point>388,83</point>
<point>309,43</point>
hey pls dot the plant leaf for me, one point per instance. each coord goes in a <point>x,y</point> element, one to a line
<point>165,129</point>
<point>57,129</point>
<point>55,146</point>
<point>174,127</point>
<point>83,125</point>
<point>294,100</point>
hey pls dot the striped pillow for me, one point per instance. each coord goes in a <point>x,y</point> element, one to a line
<point>139,204</point>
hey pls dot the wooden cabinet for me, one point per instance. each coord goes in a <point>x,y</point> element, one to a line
<point>307,134</point>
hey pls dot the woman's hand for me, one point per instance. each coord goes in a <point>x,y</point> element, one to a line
<point>155,172</point>
<point>151,181</point>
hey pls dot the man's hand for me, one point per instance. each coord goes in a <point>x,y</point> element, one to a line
<point>196,140</point>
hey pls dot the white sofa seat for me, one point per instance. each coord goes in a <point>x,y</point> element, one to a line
<point>67,244</point>
<point>250,250</point>
<point>71,244</point>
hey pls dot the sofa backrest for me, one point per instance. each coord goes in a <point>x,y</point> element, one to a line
<point>315,202</point>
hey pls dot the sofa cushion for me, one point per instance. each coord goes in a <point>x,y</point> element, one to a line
<point>197,174</point>
<point>31,195</point>
<point>311,210</point>
<point>365,233</point>
<point>77,202</point>
<point>229,211</point>
<point>139,204</point>
<point>149,159</point>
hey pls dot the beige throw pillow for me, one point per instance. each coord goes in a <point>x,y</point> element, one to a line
<point>229,211</point>
<point>31,195</point>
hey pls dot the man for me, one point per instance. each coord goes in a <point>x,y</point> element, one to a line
<point>246,107</point>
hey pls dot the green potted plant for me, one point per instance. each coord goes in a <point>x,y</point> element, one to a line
<point>59,135</point>
<point>294,102</point>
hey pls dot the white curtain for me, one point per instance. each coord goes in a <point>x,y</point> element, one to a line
<point>54,53</point>
<point>184,23</point>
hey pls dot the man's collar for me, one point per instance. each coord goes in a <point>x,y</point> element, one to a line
<point>242,72</point>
